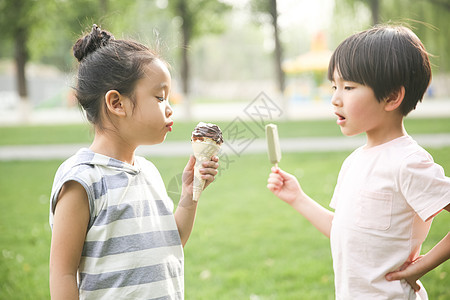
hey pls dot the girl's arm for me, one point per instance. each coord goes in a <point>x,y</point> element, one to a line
<point>187,208</point>
<point>412,271</point>
<point>286,187</point>
<point>71,218</point>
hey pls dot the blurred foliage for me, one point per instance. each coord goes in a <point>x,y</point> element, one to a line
<point>54,25</point>
<point>17,14</point>
<point>203,16</point>
<point>261,11</point>
<point>429,19</point>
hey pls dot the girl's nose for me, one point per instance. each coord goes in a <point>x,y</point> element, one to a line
<point>169,110</point>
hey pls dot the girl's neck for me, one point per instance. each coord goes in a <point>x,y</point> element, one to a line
<point>108,142</point>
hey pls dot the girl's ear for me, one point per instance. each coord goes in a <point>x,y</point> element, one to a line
<point>114,103</point>
<point>394,100</point>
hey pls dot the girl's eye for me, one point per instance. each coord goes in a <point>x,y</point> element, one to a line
<point>349,88</point>
<point>333,88</point>
<point>160,99</point>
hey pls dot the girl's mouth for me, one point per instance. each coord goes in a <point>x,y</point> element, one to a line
<point>169,126</point>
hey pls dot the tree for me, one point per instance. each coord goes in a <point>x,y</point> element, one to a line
<point>16,20</point>
<point>198,17</point>
<point>269,8</point>
<point>24,23</point>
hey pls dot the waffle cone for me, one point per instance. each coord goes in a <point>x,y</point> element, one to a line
<point>203,151</point>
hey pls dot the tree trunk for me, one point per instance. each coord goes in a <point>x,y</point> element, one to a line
<point>103,6</point>
<point>21,57</point>
<point>375,8</point>
<point>186,32</point>
<point>185,67</point>
<point>278,48</point>
<point>278,57</point>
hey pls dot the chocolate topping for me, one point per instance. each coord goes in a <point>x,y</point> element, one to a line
<point>207,130</point>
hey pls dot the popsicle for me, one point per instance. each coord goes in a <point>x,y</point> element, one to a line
<point>273,144</point>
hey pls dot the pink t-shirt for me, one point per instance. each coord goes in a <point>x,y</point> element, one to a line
<point>384,202</point>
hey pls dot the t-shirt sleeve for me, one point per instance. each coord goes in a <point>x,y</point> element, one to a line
<point>424,184</point>
<point>59,183</point>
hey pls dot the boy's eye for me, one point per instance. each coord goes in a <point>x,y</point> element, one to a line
<point>160,99</point>
<point>349,88</point>
<point>333,87</point>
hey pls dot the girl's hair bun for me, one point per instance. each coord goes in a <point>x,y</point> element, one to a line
<point>89,43</point>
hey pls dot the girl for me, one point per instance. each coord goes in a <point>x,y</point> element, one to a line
<point>114,235</point>
<point>388,190</point>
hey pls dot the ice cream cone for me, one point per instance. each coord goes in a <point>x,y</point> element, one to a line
<point>203,151</point>
<point>206,141</point>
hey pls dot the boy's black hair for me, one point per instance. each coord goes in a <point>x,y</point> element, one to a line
<point>385,58</point>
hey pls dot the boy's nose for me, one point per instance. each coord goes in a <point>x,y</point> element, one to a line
<point>336,99</point>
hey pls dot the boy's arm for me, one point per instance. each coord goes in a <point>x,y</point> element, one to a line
<point>316,214</point>
<point>187,208</point>
<point>286,187</point>
<point>70,223</point>
<point>412,271</point>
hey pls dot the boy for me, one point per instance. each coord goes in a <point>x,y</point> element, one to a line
<point>388,190</point>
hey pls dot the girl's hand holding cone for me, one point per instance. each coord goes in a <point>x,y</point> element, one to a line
<point>207,170</point>
<point>187,207</point>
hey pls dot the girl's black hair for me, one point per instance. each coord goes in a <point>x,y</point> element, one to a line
<point>107,64</point>
<point>385,58</point>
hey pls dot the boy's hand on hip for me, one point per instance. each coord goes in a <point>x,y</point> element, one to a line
<point>410,272</point>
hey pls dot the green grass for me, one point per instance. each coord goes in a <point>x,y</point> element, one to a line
<point>45,134</point>
<point>245,241</point>
<point>82,133</point>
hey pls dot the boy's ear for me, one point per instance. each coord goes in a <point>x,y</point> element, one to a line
<point>394,100</point>
<point>114,103</point>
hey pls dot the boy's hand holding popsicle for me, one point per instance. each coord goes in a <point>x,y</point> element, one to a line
<point>284,185</point>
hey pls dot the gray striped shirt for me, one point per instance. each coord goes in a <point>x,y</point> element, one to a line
<point>132,248</point>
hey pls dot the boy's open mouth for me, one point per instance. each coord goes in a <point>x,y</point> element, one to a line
<point>340,120</point>
<point>340,117</point>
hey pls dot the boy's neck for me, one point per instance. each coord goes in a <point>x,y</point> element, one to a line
<point>392,129</point>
